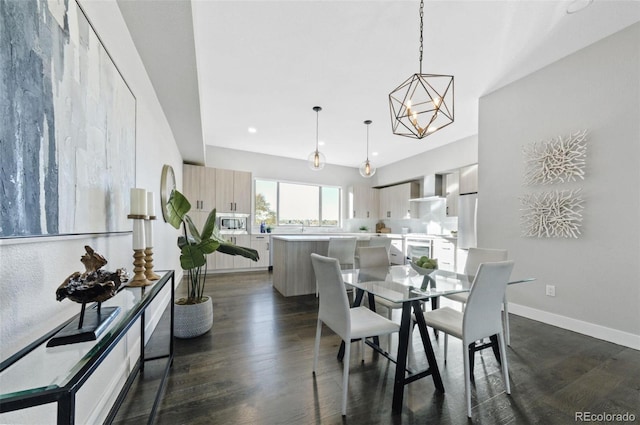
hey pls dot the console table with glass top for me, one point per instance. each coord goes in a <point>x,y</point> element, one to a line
<point>38,375</point>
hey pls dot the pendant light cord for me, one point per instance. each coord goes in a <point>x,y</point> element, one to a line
<point>367,142</point>
<point>317,127</point>
<point>421,25</point>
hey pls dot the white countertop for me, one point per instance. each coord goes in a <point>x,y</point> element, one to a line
<point>321,236</point>
<point>360,236</point>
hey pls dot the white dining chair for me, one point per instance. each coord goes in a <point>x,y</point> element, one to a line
<point>344,250</point>
<point>475,257</point>
<point>377,257</point>
<point>348,323</point>
<point>481,318</point>
<point>381,241</point>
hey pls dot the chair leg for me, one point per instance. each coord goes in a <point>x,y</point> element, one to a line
<point>316,348</point>
<point>390,317</point>
<point>345,376</point>
<point>362,348</point>
<point>467,375</point>
<point>505,367</point>
<point>505,322</point>
<point>446,346</point>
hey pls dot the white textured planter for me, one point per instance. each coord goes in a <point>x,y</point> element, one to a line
<point>192,320</point>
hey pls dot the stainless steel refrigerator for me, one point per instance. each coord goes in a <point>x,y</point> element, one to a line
<point>467,219</point>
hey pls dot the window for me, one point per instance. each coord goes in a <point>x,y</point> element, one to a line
<point>296,204</point>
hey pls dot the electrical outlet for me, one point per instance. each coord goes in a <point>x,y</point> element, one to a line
<point>551,291</point>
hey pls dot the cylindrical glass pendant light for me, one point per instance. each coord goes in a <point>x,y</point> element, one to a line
<point>316,159</point>
<point>366,169</point>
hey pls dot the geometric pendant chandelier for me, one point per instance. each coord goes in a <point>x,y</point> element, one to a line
<point>423,104</point>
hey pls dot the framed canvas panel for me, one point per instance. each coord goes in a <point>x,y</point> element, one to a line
<point>67,139</point>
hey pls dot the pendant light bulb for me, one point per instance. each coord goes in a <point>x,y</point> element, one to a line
<point>366,169</point>
<point>316,159</point>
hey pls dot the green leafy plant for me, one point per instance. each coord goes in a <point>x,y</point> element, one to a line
<point>364,228</point>
<point>196,245</point>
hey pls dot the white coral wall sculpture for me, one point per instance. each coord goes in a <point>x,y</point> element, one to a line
<point>554,214</point>
<point>556,160</point>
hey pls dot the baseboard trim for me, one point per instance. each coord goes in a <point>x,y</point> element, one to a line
<point>590,329</point>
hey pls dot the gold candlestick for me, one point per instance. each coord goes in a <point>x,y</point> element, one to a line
<point>148,265</point>
<point>139,278</point>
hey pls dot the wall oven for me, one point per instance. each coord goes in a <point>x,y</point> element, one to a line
<point>232,223</point>
<point>417,247</point>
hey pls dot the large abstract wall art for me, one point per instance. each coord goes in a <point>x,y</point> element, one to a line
<point>558,213</point>
<point>557,160</point>
<point>67,132</point>
<point>553,214</point>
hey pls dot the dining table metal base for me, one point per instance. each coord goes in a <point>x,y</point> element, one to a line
<point>404,375</point>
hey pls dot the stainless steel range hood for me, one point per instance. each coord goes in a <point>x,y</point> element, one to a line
<point>432,189</point>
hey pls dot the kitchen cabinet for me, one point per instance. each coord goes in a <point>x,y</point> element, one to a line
<point>445,252</point>
<point>199,186</point>
<point>469,179</point>
<point>225,261</point>
<point>452,194</point>
<point>394,200</point>
<point>233,191</point>
<point>261,243</point>
<point>363,202</point>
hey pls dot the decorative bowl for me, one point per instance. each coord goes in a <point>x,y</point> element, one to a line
<point>420,270</point>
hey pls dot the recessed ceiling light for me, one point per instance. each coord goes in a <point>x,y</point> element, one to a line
<point>578,5</point>
<point>252,130</point>
<point>374,153</point>
<point>321,143</point>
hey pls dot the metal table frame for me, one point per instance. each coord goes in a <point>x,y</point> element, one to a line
<point>65,396</point>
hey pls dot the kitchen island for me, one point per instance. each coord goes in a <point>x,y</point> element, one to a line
<point>292,270</point>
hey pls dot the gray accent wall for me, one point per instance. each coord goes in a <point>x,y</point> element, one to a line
<point>596,276</point>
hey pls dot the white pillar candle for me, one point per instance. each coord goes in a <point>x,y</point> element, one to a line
<point>148,233</point>
<point>138,201</point>
<point>151,205</point>
<point>138,234</point>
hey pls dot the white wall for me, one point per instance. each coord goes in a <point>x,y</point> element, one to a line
<point>32,269</point>
<point>596,276</point>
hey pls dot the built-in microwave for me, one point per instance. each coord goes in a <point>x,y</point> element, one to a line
<point>233,223</point>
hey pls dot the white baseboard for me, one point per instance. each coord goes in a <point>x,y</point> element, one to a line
<point>590,329</point>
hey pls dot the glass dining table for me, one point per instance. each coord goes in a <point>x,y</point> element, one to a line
<point>404,285</point>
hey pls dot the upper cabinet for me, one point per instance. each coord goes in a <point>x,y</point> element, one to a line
<point>363,202</point>
<point>225,190</point>
<point>469,179</point>
<point>452,193</point>
<point>199,187</point>
<point>233,191</point>
<point>394,200</point>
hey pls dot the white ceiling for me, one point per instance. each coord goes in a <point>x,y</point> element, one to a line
<point>265,64</point>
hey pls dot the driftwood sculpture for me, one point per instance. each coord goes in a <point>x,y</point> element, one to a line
<point>94,285</point>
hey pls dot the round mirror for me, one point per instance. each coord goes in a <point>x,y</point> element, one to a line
<point>167,184</point>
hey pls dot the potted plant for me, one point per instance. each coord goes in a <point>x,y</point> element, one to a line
<point>364,229</point>
<point>194,313</point>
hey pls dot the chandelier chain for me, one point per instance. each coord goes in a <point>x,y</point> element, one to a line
<point>421,25</point>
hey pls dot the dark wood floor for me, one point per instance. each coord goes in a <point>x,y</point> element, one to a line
<point>254,367</point>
